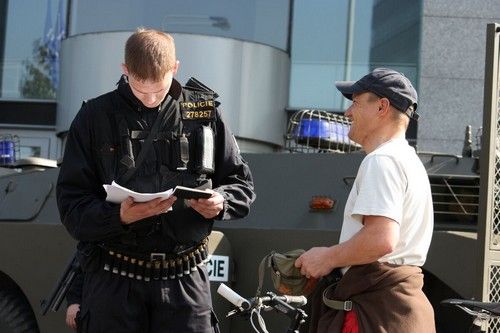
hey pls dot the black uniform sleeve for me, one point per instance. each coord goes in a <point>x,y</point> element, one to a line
<point>232,177</point>
<point>80,194</point>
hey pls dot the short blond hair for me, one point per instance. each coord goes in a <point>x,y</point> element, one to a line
<point>149,54</point>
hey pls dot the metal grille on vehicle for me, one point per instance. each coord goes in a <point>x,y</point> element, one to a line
<point>456,202</point>
<point>316,131</point>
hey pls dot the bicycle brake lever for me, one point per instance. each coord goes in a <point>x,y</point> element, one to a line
<point>267,308</point>
<point>232,313</point>
<point>239,312</point>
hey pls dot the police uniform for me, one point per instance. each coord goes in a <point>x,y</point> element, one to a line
<point>148,276</point>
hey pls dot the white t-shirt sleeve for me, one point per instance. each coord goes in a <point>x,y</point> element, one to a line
<point>381,188</point>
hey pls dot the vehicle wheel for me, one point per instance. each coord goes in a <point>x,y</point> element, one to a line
<point>16,314</point>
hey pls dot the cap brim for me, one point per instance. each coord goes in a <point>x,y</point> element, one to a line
<point>348,88</point>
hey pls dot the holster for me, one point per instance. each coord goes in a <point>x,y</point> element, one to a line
<point>89,256</point>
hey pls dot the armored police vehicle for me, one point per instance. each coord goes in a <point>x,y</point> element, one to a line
<point>301,198</point>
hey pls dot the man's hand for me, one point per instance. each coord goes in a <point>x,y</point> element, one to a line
<point>131,211</point>
<point>315,263</point>
<point>208,208</point>
<point>377,237</point>
<point>71,313</point>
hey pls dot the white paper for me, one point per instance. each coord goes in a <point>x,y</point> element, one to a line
<point>116,193</point>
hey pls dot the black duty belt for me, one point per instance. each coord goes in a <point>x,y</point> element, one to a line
<point>156,266</point>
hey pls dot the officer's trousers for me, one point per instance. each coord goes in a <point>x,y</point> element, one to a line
<point>112,303</point>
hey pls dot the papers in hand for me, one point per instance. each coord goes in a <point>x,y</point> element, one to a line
<point>116,193</point>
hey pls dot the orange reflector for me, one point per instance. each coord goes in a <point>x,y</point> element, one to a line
<point>321,202</point>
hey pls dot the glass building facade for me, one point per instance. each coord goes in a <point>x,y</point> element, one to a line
<point>326,40</point>
<point>329,40</point>
<point>345,39</point>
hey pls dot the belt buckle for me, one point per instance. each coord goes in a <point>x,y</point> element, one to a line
<point>347,306</point>
<point>156,256</point>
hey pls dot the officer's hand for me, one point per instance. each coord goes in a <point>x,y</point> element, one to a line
<point>71,315</point>
<point>208,208</point>
<point>131,211</point>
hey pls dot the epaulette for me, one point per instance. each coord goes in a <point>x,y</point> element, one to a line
<point>194,84</point>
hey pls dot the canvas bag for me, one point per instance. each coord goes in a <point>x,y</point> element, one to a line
<point>286,278</point>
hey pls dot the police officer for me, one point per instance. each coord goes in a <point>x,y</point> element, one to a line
<point>143,263</point>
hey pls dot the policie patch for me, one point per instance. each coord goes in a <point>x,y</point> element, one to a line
<point>197,110</point>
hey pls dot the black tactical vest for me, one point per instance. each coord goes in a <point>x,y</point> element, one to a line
<point>182,152</point>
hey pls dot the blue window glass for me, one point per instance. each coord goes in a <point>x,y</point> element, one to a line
<point>29,60</point>
<point>345,39</point>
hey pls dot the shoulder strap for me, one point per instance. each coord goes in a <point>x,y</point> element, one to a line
<point>333,280</point>
<point>120,131</point>
<point>266,261</point>
<point>334,304</point>
<point>147,144</point>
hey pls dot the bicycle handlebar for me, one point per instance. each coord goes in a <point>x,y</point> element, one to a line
<point>233,297</point>
<point>288,299</point>
<point>246,304</point>
<point>286,304</point>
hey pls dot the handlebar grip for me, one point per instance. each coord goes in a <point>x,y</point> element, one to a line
<point>295,300</point>
<point>233,297</point>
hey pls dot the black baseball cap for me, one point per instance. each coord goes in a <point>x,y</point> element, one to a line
<point>388,83</point>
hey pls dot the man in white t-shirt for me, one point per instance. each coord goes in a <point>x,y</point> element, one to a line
<point>388,219</point>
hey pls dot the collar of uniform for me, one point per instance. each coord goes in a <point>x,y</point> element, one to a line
<point>175,89</point>
<point>125,90</point>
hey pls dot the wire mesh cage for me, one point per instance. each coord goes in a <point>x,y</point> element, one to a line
<point>9,149</point>
<point>316,131</point>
